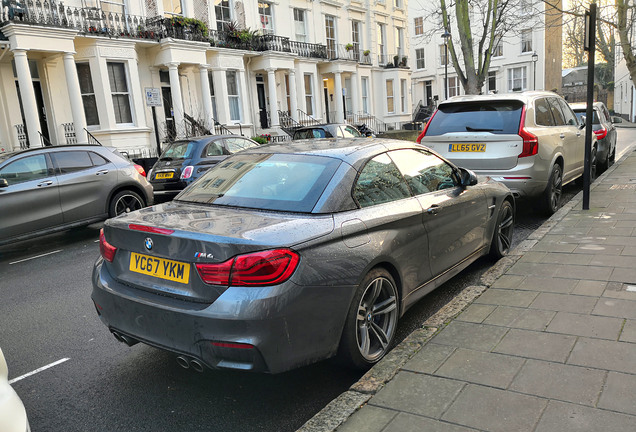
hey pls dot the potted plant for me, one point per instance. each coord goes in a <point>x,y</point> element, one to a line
<point>403,63</point>
<point>349,47</point>
<point>396,59</point>
<point>366,52</point>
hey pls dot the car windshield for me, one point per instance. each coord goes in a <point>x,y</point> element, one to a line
<point>264,181</point>
<point>178,150</point>
<point>497,117</point>
<point>581,113</point>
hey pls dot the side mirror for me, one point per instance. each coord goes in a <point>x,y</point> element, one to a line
<point>616,119</point>
<point>582,124</point>
<point>4,183</point>
<point>467,177</point>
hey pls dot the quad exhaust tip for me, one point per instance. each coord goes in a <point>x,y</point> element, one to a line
<point>187,363</point>
<point>124,339</point>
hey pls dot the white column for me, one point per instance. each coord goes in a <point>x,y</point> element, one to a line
<point>206,97</point>
<point>27,94</point>
<point>177,102</point>
<point>293,98</point>
<point>246,117</point>
<point>273,99</point>
<point>355,93</point>
<point>75,97</point>
<point>338,97</point>
<point>220,93</point>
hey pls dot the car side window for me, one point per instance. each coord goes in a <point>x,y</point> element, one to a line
<point>97,159</point>
<point>214,149</point>
<point>543,113</point>
<point>557,113</point>
<point>71,161</point>
<point>340,132</point>
<point>380,182</point>
<point>570,117</point>
<point>350,132</point>
<point>25,169</point>
<point>424,172</point>
<point>237,144</point>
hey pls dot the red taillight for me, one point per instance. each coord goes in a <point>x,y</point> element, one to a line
<point>216,274</point>
<point>106,249</point>
<point>140,170</point>
<point>187,172</point>
<point>149,229</point>
<point>256,269</point>
<point>601,133</point>
<point>530,141</point>
<point>423,133</point>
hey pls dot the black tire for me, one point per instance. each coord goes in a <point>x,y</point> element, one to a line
<point>502,237</point>
<point>124,202</point>
<point>602,166</point>
<point>552,195</point>
<point>593,164</point>
<point>371,322</point>
<point>612,157</point>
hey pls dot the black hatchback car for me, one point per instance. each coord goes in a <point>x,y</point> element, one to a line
<point>184,161</point>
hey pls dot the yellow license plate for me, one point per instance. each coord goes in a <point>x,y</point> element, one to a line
<point>164,175</point>
<point>474,148</point>
<point>158,267</point>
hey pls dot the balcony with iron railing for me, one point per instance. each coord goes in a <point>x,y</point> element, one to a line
<point>349,52</point>
<point>98,22</point>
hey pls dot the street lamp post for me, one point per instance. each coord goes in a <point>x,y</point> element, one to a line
<point>445,36</point>
<point>535,57</point>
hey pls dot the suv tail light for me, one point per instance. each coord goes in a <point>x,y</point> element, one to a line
<point>600,133</point>
<point>106,249</point>
<point>187,172</point>
<point>530,141</point>
<point>423,134</point>
<point>140,170</point>
<point>264,268</point>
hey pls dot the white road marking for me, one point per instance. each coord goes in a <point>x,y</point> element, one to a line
<point>38,370</point>
<point>631,288</point>
<point>38,256</point>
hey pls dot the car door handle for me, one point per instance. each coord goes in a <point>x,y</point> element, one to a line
<point>104,171</point>
<point>45,183</point>
<point>578,133</point>
<point>432,210</point>
<point>562,135</point>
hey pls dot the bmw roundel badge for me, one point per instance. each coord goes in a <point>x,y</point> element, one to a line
<point>148,243</point>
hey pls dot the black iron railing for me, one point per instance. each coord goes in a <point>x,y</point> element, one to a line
<point>91,138</point>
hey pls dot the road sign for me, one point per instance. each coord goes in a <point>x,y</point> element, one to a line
<point>153,96</point>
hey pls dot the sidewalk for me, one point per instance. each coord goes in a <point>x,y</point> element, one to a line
<point>547,343</point>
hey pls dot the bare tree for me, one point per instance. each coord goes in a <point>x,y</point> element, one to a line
<point>478,26</point>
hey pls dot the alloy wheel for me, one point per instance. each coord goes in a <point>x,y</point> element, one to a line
<point>127,204</point>
<point>376,318</point>
<point>505,230</point>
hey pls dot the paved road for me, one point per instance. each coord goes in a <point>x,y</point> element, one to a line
<point>46,316</point>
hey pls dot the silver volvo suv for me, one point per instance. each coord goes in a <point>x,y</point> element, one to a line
<point>531,141</point>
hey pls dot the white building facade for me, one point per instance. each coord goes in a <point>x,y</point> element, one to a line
<point>624,89</point>
<point>84,70</point>
<point>523,60</point>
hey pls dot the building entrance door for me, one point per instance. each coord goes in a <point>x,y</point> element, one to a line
<point>262,105</point>
<point>168,112</point>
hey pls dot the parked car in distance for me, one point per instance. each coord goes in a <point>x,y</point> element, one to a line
<point>603,128</point>
<point>288,254</point>
<point>327,130</point>
<point>530,141</point>
<point>183,161</point>
<point>49,189</point>
<point>13,416</point>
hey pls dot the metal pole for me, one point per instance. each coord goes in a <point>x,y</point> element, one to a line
<point>591,41</point>
<point>154,122</point>
<point>534,76</point>
<point>445,68</point>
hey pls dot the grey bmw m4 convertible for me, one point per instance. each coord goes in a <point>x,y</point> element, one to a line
<point>287,254</point>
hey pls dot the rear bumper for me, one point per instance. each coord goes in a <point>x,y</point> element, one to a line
<point>288,326</point>
<point>527,179</point>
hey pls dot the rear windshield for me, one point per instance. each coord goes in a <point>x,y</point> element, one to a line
<point>178,150</point>
<point>581,113</point>
<point>264,181</point>
<point>497,117</point>
<point>312,133</point>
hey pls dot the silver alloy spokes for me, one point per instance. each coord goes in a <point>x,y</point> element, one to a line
<point>376,318</point>
<point>504,236</point>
